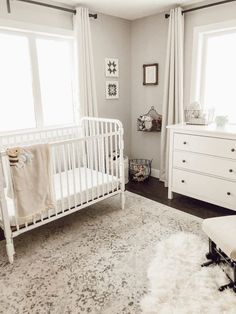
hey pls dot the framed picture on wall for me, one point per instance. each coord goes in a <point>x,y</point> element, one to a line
<point>112,67</point>
<point>150,74</point>
<point>112,89</point>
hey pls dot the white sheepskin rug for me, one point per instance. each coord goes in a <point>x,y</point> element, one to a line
<point>179,285</point>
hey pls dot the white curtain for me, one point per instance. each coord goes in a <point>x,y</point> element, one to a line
<point>173,87</point>
<point>86,88</point>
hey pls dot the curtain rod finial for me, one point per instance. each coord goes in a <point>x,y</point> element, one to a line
<point>95,16</point>
<point>167,15</point>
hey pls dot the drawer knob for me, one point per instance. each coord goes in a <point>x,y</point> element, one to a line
<point>232,150</point>
<point>230,170</point>
<point>184,161</point>
<point>228,193</point>
<point>182,181</point>
<point>185,143</point>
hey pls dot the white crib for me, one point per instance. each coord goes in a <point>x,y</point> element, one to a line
<point>83,170</point>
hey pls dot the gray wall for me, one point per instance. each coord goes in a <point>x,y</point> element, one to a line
<point>148,45</point>
<point>111,38</point>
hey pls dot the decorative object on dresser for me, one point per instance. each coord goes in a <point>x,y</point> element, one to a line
<point>140,169</point>
<point>221,121</point>
<point>150,122</point>
<point>150,74</point>
<point>195,115</point>
<point>112,67</point>
<point>112,89</point>
<point>202,163</point>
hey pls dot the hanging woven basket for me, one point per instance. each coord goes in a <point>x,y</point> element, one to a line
<point>150,122</point>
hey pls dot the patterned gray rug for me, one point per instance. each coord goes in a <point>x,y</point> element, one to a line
<point>94,261</point>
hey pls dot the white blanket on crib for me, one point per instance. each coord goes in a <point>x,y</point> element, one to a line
<point>32,179</point>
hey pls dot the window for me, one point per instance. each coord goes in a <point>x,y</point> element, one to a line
<point>215,71</point>
<point>16,96</point>
<point>219,90</point>
<point>36,83</point>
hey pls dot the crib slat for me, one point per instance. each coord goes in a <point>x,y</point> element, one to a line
<point>73,168</point>
<point>107,157</point>
<point>121,165</point>
<point>65,167</point>
<point>88,159</point>
<point>103,158</point>
<point>85,162</point>
<point>59,159</point>
<point>91,155</point>
<point>96,160</point>
<point>79,160</point>
<point>116,161</point>
<point>111,158</point>
<point>54,172</point>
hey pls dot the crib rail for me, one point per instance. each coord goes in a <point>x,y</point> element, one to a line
<point>37,136</point>
<point>87,166</point>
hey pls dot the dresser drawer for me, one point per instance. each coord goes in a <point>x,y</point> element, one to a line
<point>205,188</point>
<point>205,145</point>
<point>206,164</point>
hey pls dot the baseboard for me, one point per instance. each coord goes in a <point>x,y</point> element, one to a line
<point>155,173</point>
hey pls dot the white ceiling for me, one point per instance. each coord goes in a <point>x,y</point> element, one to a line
<point>128,9</point>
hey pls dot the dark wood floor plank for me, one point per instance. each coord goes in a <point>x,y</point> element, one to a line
<point>155,190</point>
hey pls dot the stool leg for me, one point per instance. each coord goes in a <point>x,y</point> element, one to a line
<point>228,286</point>
<point>234,278</point>
<point>211,255</point>
<point>232,284</point>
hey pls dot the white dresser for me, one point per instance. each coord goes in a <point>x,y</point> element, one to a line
<point>202,163</point>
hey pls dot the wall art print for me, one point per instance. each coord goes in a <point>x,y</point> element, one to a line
<point>112,89</point>
<point>112,67</point>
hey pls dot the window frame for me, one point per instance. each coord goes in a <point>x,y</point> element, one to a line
<point>33,32</point>
<point>200,38</point>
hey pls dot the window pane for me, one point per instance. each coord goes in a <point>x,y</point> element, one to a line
<point>55,72</point>
<point>220,91</point>
<point>16,96</point>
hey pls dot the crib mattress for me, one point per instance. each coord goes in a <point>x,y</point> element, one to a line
<point>73,188</point>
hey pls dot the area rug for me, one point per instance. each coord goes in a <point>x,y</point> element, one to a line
<point>178,284</point>
<point>94,261</point>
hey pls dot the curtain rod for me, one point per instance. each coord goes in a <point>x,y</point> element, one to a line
<point>203,7</point>
<point>95,16</point>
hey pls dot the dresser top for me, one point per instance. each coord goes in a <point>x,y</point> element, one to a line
<point>210,130</point>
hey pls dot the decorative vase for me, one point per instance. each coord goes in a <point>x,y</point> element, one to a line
<point>221,121</point>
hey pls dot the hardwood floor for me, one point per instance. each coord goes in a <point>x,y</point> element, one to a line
<point>155,190</point>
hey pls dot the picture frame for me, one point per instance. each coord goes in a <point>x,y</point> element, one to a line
<point>150,74</point>
<point>112,89</point>
<point>112,67</point>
